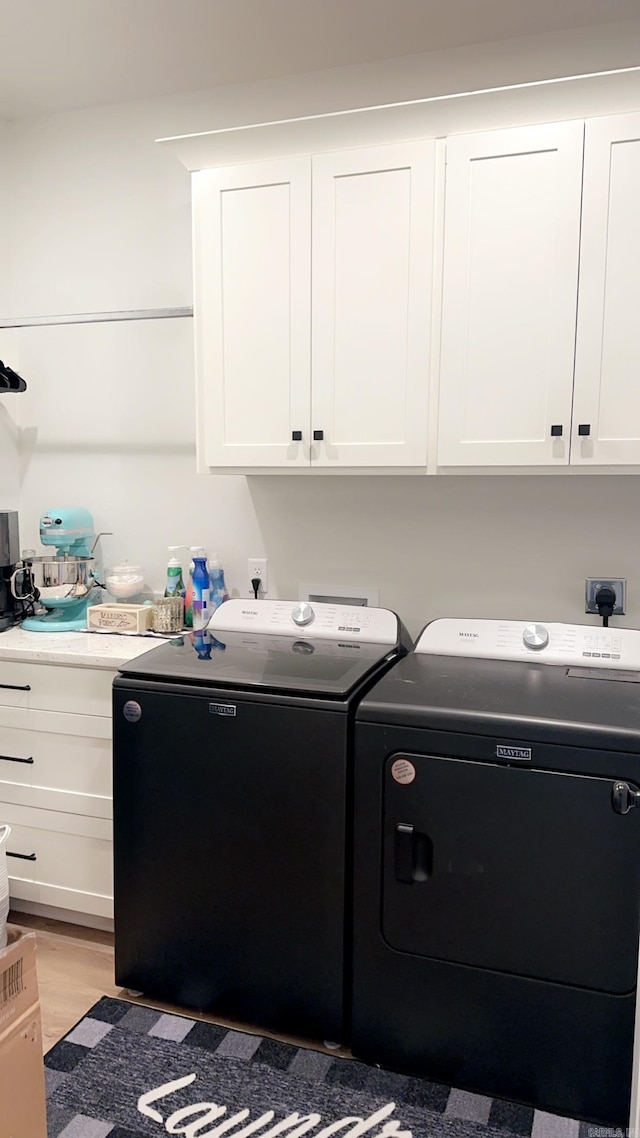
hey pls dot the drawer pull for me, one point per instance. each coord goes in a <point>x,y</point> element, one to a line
<point>16,687</point>
<point>23,857</point>
<point>14,759</point>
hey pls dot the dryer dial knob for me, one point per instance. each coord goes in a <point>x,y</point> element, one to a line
<point>535,636</point>
<point>302,614</point>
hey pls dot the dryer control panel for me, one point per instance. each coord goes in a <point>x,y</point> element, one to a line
<point>569,644</point>
<point>299,618</point>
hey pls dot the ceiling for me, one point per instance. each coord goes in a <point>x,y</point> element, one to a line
<point>64,54</point>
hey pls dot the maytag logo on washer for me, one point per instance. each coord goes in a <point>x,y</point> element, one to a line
<point>522,754</point>
<point>222,709</point>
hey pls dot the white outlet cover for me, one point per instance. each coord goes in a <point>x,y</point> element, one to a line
<point>259,567</point>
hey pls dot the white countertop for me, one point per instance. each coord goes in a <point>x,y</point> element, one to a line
<point>83,649</point>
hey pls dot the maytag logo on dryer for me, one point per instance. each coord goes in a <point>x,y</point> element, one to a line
<point>222,709</point>
<point>519,754</point>
<point>470,635</point>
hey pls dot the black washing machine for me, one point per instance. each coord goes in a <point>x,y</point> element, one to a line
<point>497,864</point>
<point>232,753</point>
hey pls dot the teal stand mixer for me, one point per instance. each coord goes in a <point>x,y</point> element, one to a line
<point>67,580</point>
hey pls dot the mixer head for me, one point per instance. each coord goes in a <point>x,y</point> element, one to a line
<point>70,529</point>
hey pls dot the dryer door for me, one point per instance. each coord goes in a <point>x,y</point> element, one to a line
<point>517,870</point>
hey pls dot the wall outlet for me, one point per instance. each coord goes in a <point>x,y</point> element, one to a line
<point>619,586</point>
<point>259,567</point>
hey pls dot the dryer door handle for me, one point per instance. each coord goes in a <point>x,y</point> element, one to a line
<point>413,854</point>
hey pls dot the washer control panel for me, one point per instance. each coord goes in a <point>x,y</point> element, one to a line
<point>570,644</point>
<point>321,621</point>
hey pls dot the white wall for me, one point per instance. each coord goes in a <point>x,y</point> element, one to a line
<point>100,220</point>
<point>9,472</point>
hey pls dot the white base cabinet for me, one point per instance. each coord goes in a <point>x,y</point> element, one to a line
<point>66,859</point>
<point>55,786</point>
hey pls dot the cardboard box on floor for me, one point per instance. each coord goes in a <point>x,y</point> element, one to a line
<point>22,1099</point>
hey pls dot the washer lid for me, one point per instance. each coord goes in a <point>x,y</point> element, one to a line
<point>300,664</point>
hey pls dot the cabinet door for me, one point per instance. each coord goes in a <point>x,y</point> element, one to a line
<point>607,387</point>
<point>59,859</point>
<point>512,228</point>
<point>373,213</point>
<point>252,265</point>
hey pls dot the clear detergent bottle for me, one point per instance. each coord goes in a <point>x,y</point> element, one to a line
<point>218,588</point>
<point>201,593</point>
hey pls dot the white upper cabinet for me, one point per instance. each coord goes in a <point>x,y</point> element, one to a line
<point>607,380</point>
<point>512,231</point>
<point>373,218</point>
<point>252,266</point>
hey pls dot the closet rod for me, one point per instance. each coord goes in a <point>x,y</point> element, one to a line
<point>97,317</point>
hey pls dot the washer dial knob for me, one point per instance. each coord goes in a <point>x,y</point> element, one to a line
<point>535,636</point>
<point>302,614</point>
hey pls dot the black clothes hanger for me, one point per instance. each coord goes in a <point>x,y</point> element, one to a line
<point>10,380</point>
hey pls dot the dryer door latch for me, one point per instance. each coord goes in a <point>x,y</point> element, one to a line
<point>413,855</point>
<point>624,797</point>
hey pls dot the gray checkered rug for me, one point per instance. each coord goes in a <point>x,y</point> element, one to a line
<point>127,1071</point>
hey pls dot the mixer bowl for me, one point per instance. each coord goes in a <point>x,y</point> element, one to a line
<point>58,578</point>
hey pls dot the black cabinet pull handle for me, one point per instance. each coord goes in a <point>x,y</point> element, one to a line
<point>16,687</point>
<point>318,436</point>
<point>584,429</point>
<point>296,436</point>
<point>13,759</point>
<point>23,857</point>
<point>556,431</point>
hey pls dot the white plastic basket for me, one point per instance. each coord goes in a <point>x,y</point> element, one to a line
<point>4,884</point>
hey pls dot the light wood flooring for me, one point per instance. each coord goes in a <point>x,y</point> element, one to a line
<point>75,969</point>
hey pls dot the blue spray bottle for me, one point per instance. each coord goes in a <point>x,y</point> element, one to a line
<point>201,593</point>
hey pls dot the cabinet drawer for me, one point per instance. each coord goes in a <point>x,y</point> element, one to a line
<point>66,860</point>
<point>50,687</point>
<point>71,773</point>
<point>55,722</point>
